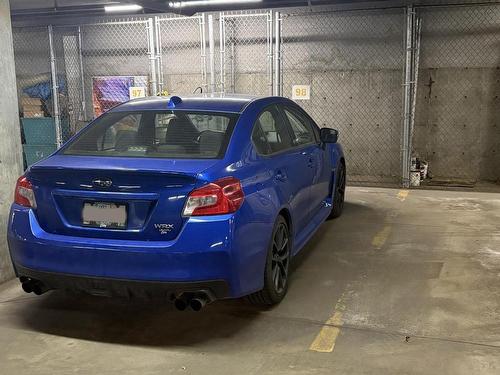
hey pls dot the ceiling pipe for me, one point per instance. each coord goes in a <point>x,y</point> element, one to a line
<point>163,5</point>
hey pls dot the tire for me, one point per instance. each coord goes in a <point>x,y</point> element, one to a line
<point>338,193</point>
<point>277,267</point>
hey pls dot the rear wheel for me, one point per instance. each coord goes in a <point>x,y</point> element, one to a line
<point>338,193</point>
<point>277,267</point>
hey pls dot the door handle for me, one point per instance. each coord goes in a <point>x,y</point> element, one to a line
<point>310,162</point>
<point>280,176</point>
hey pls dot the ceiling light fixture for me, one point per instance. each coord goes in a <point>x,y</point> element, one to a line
<point>197,3</point>
<point>122,8</point>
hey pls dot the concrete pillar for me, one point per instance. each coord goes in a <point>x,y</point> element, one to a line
<point>11,160</point>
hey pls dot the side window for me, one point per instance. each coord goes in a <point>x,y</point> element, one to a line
<point>269,135</point>
<point>121,135</point>
<point>302,129</point>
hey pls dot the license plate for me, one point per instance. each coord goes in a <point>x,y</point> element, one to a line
<point>104,215</point>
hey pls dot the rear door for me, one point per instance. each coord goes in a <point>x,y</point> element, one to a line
<point>288,167</point>
<point>305,137</point>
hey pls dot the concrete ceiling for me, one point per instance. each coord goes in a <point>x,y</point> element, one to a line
<point>63,8</point>
<point>39,4</point>
<point>158,5</point>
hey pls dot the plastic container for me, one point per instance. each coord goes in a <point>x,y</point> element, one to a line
<point>414,178</point>
<point>39,131</point>
<point>42,131</point>
<point>34,153</point>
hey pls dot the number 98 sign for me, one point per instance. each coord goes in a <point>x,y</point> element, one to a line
<point>301,92</point>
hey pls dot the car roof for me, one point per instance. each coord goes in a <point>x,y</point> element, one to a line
<point>207,102</point>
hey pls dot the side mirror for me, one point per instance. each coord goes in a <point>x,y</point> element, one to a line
<point>328,135</point>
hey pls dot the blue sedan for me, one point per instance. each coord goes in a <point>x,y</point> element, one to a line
<point>192,199</point>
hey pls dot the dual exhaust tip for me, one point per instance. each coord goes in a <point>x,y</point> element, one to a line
<point>32,285</point>
<point>195,301</point>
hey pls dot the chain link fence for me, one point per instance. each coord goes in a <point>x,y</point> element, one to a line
<point>34,86</point>
<point>182,60</point>
<point>457,124</point>
<point>353,63</point>
<point>32,59</point>
<point>246,52</point>
<point>116,56</point>
<point>68,70</point>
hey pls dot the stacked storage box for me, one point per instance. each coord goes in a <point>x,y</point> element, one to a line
<point>32,107</point>
<point>40,136</point>
<point>39,131</point>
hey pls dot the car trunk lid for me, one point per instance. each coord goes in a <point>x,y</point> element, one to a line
<point>119,198</point>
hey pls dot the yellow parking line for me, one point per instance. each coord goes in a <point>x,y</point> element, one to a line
<point>327,337</point>
<point>381,237</point>
<point>403,194</point>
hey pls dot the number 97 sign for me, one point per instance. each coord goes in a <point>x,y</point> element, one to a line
<point>301,92</point>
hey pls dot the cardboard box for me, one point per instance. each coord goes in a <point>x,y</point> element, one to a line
<point>32,108</point>
<point>30,114</point>
<point>25,101</point>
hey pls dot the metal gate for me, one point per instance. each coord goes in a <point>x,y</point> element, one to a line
<point>457,127</point>
<point>68,68</point>
<point>35,87</point>
<point>181,54</point>
<point>246,53</point>
<point>353,62</point>
<point>121,49</point>
<point>390,99</point>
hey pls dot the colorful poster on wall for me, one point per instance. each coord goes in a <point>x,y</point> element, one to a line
<point>109,91</point>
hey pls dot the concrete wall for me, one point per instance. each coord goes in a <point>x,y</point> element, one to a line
<point>457,127</point>
<point>354,63</point>
<point>10,138</point>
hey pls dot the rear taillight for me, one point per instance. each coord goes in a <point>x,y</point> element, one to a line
<point>24,193</point>
<point>220,197</point>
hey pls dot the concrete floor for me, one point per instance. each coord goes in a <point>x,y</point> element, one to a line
<point>406,284</point>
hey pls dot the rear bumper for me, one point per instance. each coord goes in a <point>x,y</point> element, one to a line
<point>203,253</point>
<point>218,289</point>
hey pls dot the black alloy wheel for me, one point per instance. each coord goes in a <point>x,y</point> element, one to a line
<point>276,272</point>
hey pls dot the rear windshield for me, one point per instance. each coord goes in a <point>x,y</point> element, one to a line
<point>165,134</point>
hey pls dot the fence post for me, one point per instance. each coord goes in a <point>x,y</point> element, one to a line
<point>270,51</point>
<point>55,88</point>
<point>159,57</point>
<point>416,64</point>
<point>211,47</point>
<point>232,54</point>
<point>278,91</point>
<point>222,51</point>
<point>152,56</point>
<point>82,79</point>
<point>405,135</point>
<point>203,54</point>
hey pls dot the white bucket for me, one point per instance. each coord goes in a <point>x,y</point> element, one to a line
<point>414,178</point>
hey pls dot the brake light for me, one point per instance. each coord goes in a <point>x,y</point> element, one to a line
<point>223,196</point>
<point>24,195</point>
